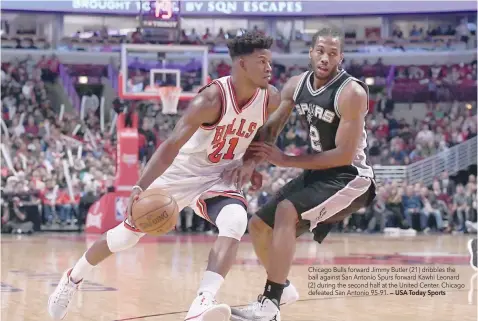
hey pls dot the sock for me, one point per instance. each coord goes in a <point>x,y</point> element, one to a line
<point>287,283</point>
<point>273,291</point>
<point>211,283</point>
<point>81,268</point>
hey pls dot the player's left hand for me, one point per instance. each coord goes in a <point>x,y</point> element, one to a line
<point>239,176</point>
<point>256,181</point>
<point>271,153</point>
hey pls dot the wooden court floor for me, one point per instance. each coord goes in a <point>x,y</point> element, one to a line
<point>158,279</point>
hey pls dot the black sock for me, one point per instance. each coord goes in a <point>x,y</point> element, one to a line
<point>287,283</point>
<point>273,291</point>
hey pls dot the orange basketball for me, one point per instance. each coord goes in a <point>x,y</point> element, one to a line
<point>155,212</point>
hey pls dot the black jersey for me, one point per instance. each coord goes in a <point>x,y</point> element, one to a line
<point>320,109</point>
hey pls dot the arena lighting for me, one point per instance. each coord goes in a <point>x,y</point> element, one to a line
<point>468,106</point>
<point>164,9</point>
<point>370,81</point>
<point>83,80</point>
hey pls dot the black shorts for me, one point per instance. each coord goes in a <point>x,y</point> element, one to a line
<point>325,198</point>
<point>213,206</point>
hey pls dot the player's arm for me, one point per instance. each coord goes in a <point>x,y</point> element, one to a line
<point>274,100</point>
<point>205,108</point>
<point>279,108</point>
<point>353,107</point>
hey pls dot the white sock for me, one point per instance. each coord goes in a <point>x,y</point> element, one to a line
<point>211,283</point>
<point>81,268</point>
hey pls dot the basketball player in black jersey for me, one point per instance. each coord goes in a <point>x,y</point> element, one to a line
<point>337,179</point>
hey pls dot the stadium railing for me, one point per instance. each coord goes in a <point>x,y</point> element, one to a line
<point>454,159</point>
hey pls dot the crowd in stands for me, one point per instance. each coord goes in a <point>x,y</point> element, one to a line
<point>46,177</point>
<point>395,142</point>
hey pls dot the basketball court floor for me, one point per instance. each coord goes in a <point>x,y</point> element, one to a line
<point>158,279</point>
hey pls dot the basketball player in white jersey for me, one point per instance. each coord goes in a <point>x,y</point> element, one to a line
<point>210,139</point>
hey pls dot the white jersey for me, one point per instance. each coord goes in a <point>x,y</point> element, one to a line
<point>213,148</point>
<point>196,172</point>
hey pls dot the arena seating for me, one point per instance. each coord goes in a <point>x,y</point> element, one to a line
<point>441,38</point>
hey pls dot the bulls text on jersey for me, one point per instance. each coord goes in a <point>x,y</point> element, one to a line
<point>227,137</point>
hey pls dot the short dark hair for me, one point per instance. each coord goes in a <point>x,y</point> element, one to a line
<point>247,43</point>
<point>329,32</point>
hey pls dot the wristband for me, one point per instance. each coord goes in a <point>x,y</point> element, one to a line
<point>137,187</point>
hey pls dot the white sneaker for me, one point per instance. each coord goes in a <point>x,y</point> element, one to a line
<point>205,308</point>
<point>261,310</point>
<point>471,227</point>
<point>472,248</point>
<point>60,299</point>
<point>289,296</point>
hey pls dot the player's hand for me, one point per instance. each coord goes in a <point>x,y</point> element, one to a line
<point>256,181</point>
<point>271,153</point>
<point>240,175</point>
<point>129,212</point>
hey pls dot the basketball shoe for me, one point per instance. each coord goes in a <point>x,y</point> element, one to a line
<point>262,310</point>
<point>60,299</point>
<point>290,295</point>
<point>205,308</point>
<point>472,248</point>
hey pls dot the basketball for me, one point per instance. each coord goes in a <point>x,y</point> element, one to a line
<point>155,212</point>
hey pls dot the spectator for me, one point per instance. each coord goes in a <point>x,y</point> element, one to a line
<point>412,206</point>
<point>92,102</point>
<point>14,220</point>
<point>381,215</point>
<point>431,208</point>
<point>463,32</point>
<point>383,104</point>
<point>447,186</point>
<point>194,37</point>
<point>397,32</point>
<point>393,193</point>
<point>137,36</point>
<point>64,207</point>
<point>415,32</point>
<point>207,37</point>
<point>221,36</point>
<point>425,136</point>
<point>461,207</point>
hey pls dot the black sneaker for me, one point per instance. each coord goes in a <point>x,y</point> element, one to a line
<point>473,255</point>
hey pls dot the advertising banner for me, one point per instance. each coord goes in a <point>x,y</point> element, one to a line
<point>319,8</point>
<point>127,162</point>
<point>166,9</point>
<point>107,212</point>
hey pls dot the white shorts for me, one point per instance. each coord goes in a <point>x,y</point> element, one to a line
<point>193,190</point>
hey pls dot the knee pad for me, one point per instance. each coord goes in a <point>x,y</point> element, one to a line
<point>232,221</point>
<point>120,238</point>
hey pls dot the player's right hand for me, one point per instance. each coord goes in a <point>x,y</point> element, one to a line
<point>129,210</point>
